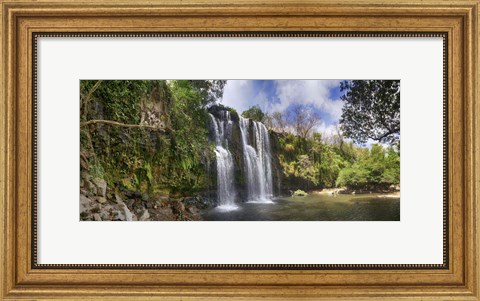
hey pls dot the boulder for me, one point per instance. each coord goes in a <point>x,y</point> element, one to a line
<point>165,214</point>
<point>101,186</point>
<point>90,187</point>
<point>178,207</point>
<point>118,199</point>
<point>193,210</point>
<point>300,193</point>
<point>101,199</point>
<point>85,203</point>
<point>96,217</point>
<point>159,198</point>
<point>129,203</point>
<point>144,216</point>
<point>124,213</point>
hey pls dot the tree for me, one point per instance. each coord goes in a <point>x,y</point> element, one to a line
<point>254,113</point>
<point>371,110</point>
<point>304,120</point>
<point>210,90</point>
<point>278,121</point>
<point>118,102</point>
<point>304,168</point>
<point>376,169</point>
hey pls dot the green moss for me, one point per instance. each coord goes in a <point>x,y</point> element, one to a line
<point>300,193</point>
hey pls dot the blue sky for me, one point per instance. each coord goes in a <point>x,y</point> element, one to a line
<point>323,96</point>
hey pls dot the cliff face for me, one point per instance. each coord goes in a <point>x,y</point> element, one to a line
<point>243,153</point>
<point>286,181</point>
<point>279,180</point>
<point>255,154</point>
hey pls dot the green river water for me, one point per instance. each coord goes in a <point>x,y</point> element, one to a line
<point>314,207</point>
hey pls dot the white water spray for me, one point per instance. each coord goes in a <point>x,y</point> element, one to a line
<point>225,168</point>
<point>257,160</point>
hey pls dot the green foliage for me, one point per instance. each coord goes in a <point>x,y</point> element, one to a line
<point>299,192</point>
<point>96,170</point>
<point>189,144</point>
<point>305,169</point>
<point>313,160</point>
<point>371,110</point>
<point>289,148</point>
<point>218,108</point>
<point>378,169</point>
<point>176,160</point>
<point>210,90</point>
<point>254,113</point>
<point>139,158</point>
<point>117,100</point>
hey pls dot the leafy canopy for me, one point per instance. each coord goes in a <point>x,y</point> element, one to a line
<point>371,110</point>
<point>254,113</point>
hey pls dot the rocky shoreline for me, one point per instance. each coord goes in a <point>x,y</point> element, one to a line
<point>99,202</point>
<point>392,192</point>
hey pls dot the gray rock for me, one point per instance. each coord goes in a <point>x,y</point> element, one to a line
<point>129,203</point>
<point>118,199</point>
<point>84,203</point>
<point>165,214</point>
<point>178,207</point>
<point>160,198</point>
<point>105,216</point>
<point>97,217</point>
<point>85,175</point>
<point>144,216</point>
<point>192,210</point>
<point>90,187</point>
<point>101,186</point>
<point>101,199</point>
<point>123,213</point>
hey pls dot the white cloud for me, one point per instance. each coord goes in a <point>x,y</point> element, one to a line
<point>370,142</point>
<point>240,95</point>
<point>308,92</point>
<point>327,130</point>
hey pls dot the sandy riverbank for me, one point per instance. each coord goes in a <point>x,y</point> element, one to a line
<point>334,191</point>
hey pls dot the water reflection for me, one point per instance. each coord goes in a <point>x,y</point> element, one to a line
<point>314,207</point>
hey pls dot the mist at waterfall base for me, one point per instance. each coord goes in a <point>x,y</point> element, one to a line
<point>253,199</point>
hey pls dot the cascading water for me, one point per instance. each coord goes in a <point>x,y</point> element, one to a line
<point>257,160</point>
<point>225,167</point>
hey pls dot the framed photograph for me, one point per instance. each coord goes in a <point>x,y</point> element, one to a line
<point>276,150</point>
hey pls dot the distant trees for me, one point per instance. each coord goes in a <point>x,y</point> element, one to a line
<point>376,168</point>
<point>304,119</point>
<point>277,121</point>
<point>154,135</point>
<point>254,113</point>
<point>371,110</point>
<point>300,119</point>
<point>210,90</point>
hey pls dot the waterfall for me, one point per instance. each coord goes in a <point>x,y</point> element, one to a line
<point>225,167</point>
<point>257,161</point>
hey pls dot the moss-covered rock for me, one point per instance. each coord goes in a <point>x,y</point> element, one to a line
<point>300,193</point>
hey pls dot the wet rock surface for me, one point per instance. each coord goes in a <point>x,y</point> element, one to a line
<point>100,202</point>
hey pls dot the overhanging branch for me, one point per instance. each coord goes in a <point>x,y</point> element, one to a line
<point>125,125</point>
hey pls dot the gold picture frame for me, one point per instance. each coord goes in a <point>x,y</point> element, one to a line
<point>23,22</point>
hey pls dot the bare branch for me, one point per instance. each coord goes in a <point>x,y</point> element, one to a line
<point>110,122</point>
